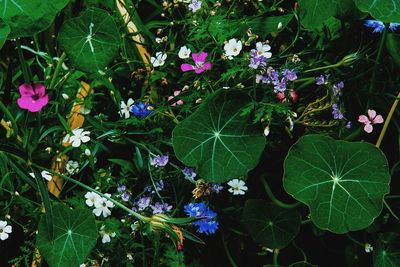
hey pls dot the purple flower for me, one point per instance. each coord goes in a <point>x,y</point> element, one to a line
<point>121,188</point>
<point>323,79</point>
<point>378,25</point>
<point>337,114</point>
<point>349,124</point>
<point>216,187</point>
<point>206,225</point>
<point>160,208</point>
<point>200,63</point>
<point>159,161</point>
<point>142,110</point>
<point>289,75</point>
<point>341,85</point>
<point>189,173</point>
<point>125,196</point>
<point>143,203</point>
<point>195,5</point>
<point>280,87</point>
<point>256,61</point>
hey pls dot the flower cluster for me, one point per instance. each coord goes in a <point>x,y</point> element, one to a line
<point>272,76</point>
<point>379,26</point>
<point>159,161</point>
<point>207,225</point>
<point>260,55</point>
<point>145,202</point>
<point>101,204</point>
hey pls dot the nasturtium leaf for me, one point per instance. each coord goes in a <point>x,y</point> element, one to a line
<point>393,46</point>
<point>27,17</point>
<point>217,139</point>
<point>343,183</point>
<point>314,12</point>
<point>91,41</point>
<point>387,250</point>
<point>383,10</point>
<point>302,264</point>
<point>270,225</point>
<point>4,31</point>
<point>74,237</point>
<point>267,25</point>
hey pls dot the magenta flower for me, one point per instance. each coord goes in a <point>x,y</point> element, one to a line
<point>32,98</point>
<point>373,119</point>
<point>200,63</point>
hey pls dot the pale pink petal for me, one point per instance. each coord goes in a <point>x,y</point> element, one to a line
<point>368,128</point>
<point>363,119</point>
<point>177,92</point>
<point>39,89</point>
<point>280,95</point>
<point>26,89</point>
<point>371,114</point>
<point>200,57</point>
<point>294,95</point>
<point>378,119</point>
<point>180,102</point>
<point>187,67</point>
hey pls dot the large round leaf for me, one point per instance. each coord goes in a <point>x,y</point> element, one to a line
<point>4,31</point>
<point>343,183</point>
<point>387,250</point>
<point>74,237</point>
<point>314,12</point>
<point>384,10</point>
<point>270,225</point>
<point>27,17</point>
<point>217,140</point>
<point>91,41</point>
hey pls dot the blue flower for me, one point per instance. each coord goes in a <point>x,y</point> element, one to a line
<point>207,225</point>
<point>378,25</point>
<point>393,26</point>
<point>142,110</point>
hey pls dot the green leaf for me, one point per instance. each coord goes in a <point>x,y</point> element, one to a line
<point>270,225</point>
<point>266,25</point>
<point>27,17</point>
<point>302,264</point>
<point>387,250</point>
<point>4,31</point>
<point>314,12</point>
<point>74,237</point>
<point>343,183</point>
<point>384,10</point>
<point>217,140</point>
<point>393,46</point>
<point>91,41</point>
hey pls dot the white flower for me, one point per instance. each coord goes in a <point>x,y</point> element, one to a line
<point>232,48</point>
<point>87,152</point>
<point>368,248</point>
<point>159,60</point>
<point>237,187</point>
<point>72,167</point>
<point>266,131</point>
<point>92,198</point>
<point>79,136</point>
<point>126,108</point>
<point>262,50</point>
<point>4,230</point>
<point>184,52</point>
<point>103,206</point>
<point>45,174</point>
<point>65,96</point>
<point>106,236</point>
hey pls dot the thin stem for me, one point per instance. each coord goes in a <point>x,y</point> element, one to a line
<point>275,259</point>
<point>324,67</point>
<point>390,210</point>
<point>354,240</point>
<point>306,221</point>
<point>228,254</point>
<point>137,215</point>
<point>57,70</point>
<point>392,196</point>
<point>275,200</point>
<point>389,117</point>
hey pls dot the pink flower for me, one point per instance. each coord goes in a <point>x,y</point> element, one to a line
<point>293,96</point>
<point>200,63</point>
<point>179,102</point>
<point>373,119</point>
<point>32,98</point>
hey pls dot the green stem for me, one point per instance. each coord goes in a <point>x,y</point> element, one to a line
<point>392,196</point>
<point>275,200</point>
<point>354,240</point>
<point>306,221</point>
<point>57,71</point>
<point>137,215</point>
<point>228,254</point>
<point>389,117</point>
<point>324,67</point>
<point>275,259</point>
<point>390,210</point>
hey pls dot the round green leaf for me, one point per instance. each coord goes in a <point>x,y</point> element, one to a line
<point>27,17</point>
<point>74,237</point>
<point>91,41</point>
<point>270,225</point>
<point>217,140</point>
<point>343,183</point>
<point>314,12</point>
<point>387,250</point>
<point>384,10</point>
<point>4,31</point>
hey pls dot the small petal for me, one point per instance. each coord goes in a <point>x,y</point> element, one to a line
<point>368,128</point>
<point>371,114</point>
<point>378,119</point>
<point>187,67</point>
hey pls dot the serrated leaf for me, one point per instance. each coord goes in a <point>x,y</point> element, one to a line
<point>384,10</point>
<point>217,140</point>
<point>314,12</point>
<point>91,41</point>
<point>270,225</point>
<point>4,31</point>
<point>387,250</point>
<point>342,183</point>
<point>27,17</point>
<point>74,237</point>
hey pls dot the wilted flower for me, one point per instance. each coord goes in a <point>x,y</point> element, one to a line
<point>32,98</point>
